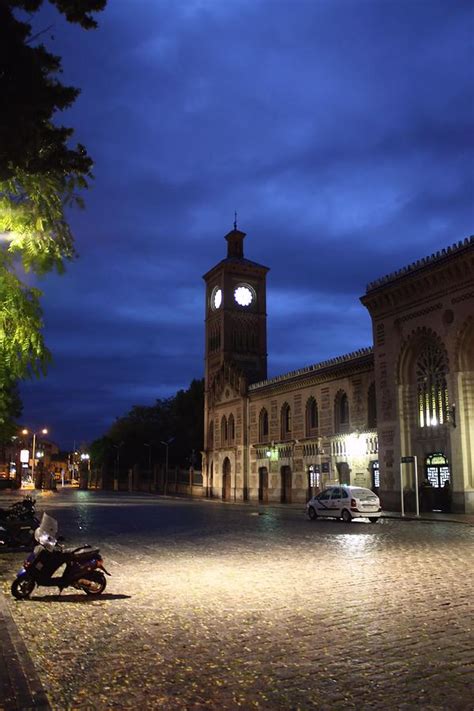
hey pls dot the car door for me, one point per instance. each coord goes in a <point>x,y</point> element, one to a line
<point>335,503</point>
<point>322,502</point>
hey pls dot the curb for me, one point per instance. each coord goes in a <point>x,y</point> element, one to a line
<point>20,685</point>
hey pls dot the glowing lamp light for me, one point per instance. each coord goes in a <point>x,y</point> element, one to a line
<point>355,445</point>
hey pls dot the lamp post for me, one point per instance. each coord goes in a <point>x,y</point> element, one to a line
<point>35,434</point>
<point>166,444</point>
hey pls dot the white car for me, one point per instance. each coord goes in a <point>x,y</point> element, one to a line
<point>346,502</point>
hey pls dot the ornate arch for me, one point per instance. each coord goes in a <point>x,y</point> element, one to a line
<point>263,428</point>
<point>224,430</point>
<point>341,412</point>
<point>311,416</point>
<point>411,348</point>
<point>464,346</point>
<point>423,368</point>
<point>285,420</point>
<point>226,478</point>
<point>231,429</point>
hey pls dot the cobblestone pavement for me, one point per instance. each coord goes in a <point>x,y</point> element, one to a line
<point>215,606</point>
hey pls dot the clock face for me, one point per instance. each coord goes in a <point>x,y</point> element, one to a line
<point>216,298</point>
<point>244,295</point>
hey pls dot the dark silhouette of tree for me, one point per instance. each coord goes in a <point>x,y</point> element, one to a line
<point>178,420</point>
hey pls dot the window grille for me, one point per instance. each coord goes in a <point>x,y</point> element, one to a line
<point>432,389</point>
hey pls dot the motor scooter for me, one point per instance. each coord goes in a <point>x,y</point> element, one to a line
<point>84,568</point>
<point>18,523</point>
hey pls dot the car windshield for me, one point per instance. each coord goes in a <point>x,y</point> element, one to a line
<point>363,494</point>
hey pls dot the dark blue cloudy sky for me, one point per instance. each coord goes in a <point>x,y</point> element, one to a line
<point>340,131</point>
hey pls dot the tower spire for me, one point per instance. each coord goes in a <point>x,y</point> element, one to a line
<point>235,219</point>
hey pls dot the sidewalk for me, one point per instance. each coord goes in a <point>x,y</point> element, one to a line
<point>20,687</point>
<point>431,517</point>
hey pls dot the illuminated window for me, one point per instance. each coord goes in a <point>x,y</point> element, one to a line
<point>263,426</point>
<point>437,470</point>
<point>432,390</point>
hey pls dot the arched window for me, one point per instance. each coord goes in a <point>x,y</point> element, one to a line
<point>371,408</point>
<point>285,421</point>
<point>224,430</point>
<point>341,412</point>
<point>231,429</point>
<point>312,418</point>
<point>432,390</point>
<point>263,426</point>
<point>210,435</point>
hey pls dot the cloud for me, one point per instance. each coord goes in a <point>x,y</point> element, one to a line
<point>341,133</point>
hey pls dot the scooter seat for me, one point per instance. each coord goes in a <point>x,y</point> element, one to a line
<point>84,555</point>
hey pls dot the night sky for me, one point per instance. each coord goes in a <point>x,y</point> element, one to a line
<point>339,130</point>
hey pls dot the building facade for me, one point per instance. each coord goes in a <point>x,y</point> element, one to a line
<point>366,418</point>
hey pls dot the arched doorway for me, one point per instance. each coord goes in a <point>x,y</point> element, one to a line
<point>226,479</point>
<point>285,485</point>
<point>263,485</point>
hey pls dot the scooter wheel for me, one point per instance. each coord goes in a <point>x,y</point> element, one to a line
<point>22,588</point>
<point>96,583</point>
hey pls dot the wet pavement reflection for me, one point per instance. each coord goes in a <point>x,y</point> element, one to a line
<point>224,606</point>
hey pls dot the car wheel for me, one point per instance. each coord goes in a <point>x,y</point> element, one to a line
<point>373,519</point>
<point>346,516</point>
<point>312,513</point>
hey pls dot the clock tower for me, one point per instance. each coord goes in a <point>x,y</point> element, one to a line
<point>236,319</point>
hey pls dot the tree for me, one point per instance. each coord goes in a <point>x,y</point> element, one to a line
<point>41,175</point>
<point>180,418</point>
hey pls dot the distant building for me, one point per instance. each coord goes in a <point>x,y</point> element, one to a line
<point>353,418</point>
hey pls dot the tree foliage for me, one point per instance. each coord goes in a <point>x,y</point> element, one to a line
<point>41,175</point>
<point>138,436</point>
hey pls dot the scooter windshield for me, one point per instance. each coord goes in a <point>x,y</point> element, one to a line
<point>46,533</point>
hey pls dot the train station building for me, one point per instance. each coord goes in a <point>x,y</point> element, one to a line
<point>366,418</point>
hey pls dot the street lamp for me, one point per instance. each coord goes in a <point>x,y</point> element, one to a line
<point>35,434</point>
<point>166,444</point>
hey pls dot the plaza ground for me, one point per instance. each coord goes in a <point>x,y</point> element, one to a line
<point>231,606</point>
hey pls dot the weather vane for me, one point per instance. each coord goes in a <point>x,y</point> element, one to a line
<point>235,220</point>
